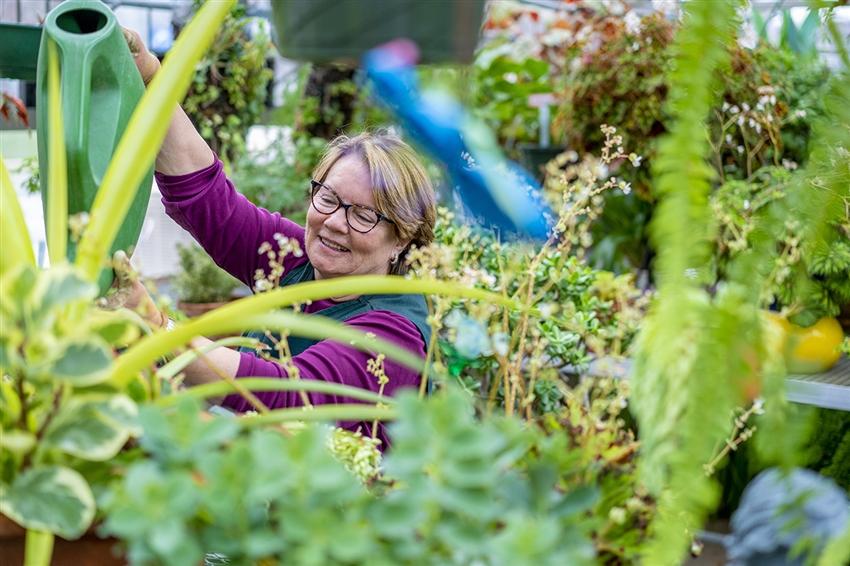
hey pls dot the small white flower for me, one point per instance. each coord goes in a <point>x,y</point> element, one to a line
<point>725,106</point>
<point>746,205</point>
<point>734,110</point>
<point>746,107</point>
<point>740,149</point>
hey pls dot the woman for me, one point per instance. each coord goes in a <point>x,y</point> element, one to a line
<point>369,201</point>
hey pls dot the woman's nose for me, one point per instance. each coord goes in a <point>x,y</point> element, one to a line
<point>337,221</point>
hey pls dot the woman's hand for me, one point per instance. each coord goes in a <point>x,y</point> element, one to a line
<point>146,62</point>
<point>128,292</point>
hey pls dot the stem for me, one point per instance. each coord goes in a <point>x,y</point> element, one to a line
<point>250,397</point>
<point>221,388</point>
<point>432,346</point>
<point>341,412</point>
<point>38,549</point>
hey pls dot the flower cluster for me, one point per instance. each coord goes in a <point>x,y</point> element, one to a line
<point>358,453</point>
<point>266,280</point>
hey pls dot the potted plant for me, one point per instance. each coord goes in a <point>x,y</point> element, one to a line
<point>443,30</point>
<point>201,285</point>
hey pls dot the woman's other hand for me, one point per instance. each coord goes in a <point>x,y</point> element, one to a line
<point>128,292</point>
<point>146,62</point>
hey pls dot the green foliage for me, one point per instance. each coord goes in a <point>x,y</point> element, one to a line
<point>200,280</point>
<point>56,417</point>
<point>453,490</point>
<point>807,282</point>
<point>278,178</point>
<point>513,358</point>
<point>229,89</point>
<point>502,86</point>
<point>690,348</point>
<point>832,439</point>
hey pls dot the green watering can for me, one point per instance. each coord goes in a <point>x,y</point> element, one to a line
<point>100,88</point>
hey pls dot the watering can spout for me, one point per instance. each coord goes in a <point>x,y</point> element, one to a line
<point>100,88</point>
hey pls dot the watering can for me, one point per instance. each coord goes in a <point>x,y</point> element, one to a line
<point>100,88</point>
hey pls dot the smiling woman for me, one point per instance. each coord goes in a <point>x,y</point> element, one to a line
<point>369,202</point>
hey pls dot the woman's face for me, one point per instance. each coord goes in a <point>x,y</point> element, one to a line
<point>333,247</point>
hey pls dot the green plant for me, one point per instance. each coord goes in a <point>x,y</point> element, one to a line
<point>700,354</point>
<point>200,280</point>
<point>513,359</point>
<point>502,85</point>
<point>61,420</point>
<point>807,282</point>
<point>490,491</point>
<point>59,429</point>
<point>229,88</point>
<point>278,178</point>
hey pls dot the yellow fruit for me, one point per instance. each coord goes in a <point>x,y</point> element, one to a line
<point>813,349</point>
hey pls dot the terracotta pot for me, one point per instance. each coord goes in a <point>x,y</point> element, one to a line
<point>88,550</point>
<point>193,310</point>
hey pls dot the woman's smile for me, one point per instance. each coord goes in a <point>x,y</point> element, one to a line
<point>333,245</point>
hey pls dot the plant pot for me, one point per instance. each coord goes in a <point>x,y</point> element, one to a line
<point>88,550</point>
<point>324,31</point>
<point>19,51</point>
<point>193,310</point>
<point>534,158</point>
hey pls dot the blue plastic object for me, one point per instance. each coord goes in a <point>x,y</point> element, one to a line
<point>496,190</point>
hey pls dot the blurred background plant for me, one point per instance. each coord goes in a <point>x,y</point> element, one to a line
<point>200,280</point>
<point>229,90</point>
<point>518,360</point>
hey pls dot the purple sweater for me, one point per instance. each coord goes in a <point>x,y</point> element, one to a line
<point>231,229</point>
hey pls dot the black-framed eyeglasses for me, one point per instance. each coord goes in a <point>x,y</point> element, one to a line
<point>360,218</point>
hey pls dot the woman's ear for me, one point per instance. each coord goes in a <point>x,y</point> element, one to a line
<point>398,250</point>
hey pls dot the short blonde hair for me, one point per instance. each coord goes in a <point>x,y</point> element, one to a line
<point>402,189</point>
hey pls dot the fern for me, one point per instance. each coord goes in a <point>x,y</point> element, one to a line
<point>690,352</point>
<point>699,353</point>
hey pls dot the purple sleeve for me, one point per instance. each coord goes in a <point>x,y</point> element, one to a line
<point>338,363</point>
<point>226,224</point>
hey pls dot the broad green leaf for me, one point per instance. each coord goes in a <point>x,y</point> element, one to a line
<point>94,428</point>
<point>16,441</point>
<point>17,247</point>
<point>54,499</point>
<point>144,135</point>
<point>60,286</point>
<point>83,363</point>
<point>119,327</point>
<point>56,222</point>
<point>16,289</point>
<point>10,401</point>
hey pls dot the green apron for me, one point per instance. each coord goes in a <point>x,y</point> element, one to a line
<point>411,307</point>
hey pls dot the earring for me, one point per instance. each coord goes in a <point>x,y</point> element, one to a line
<point>394,258</point>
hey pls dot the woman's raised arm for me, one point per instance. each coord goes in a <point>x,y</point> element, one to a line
<point>184,150</point>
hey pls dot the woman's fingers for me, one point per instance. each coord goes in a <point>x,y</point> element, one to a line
<point>146,62</point>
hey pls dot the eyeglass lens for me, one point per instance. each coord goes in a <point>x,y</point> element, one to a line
<point>358,217</point>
